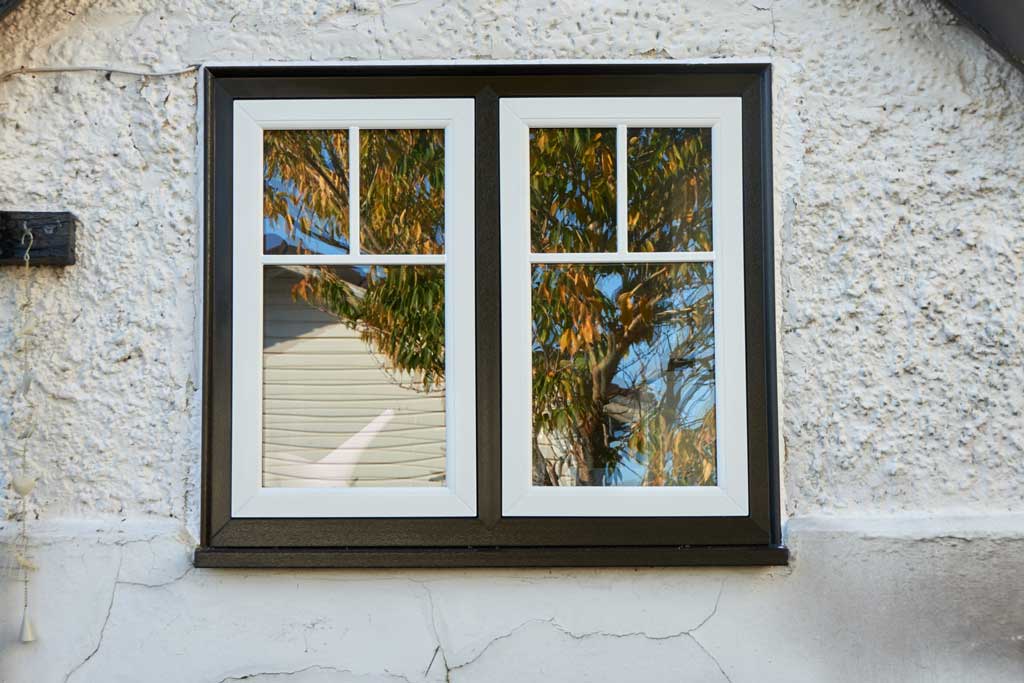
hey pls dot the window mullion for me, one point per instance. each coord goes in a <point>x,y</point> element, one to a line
<point>353,191</point>
<point>622,237</point>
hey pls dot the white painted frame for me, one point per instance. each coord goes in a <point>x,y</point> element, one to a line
<point>251,117</point>
<point>723,115</point>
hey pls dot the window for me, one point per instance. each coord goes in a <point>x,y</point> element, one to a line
<point>622,297</point>
<point>489,315</point>
<point>352,313</point>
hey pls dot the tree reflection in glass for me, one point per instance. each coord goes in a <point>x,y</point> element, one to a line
<point>305,192</point>
<point>401,188</point>
<point>669,189</point>
<point>403,203</point>
<point>623,355</point>
<point>572,189</point>
<point>623,375</point>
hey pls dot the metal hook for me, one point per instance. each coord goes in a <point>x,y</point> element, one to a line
<point>25,232</point>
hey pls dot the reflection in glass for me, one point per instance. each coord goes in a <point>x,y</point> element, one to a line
<point>623,375</point>
<point>401,189</point>
<point>353,376</point>
<point>572,190</point>
<point>669,189</point>
<point>305,192</point>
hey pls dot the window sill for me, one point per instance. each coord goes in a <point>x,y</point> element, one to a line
<point>611,556</point>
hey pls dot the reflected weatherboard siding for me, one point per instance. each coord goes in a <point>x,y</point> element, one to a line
<point>333,415</point>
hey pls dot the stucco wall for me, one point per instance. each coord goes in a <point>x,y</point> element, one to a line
<point>899,149</point>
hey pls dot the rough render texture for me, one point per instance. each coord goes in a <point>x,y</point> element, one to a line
<point>899,142</point>
<point>877,602</point>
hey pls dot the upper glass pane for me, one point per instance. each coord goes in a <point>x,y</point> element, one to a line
<point>353,376</point>
<point>401,191</point>
<point>669,189</point>
<point>623,375</point>
<point>305,192</point>
<point>572,190</point>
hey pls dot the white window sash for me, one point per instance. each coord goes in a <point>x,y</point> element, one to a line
<point>723,115</point>
<point>251,117</point>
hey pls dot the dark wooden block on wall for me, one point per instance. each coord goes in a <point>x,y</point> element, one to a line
<point>53,238</point>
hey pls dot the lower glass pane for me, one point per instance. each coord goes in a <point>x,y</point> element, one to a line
<point>623,375</point>
<point>353,376</point>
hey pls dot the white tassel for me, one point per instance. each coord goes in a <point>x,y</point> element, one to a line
<point>28,634</point>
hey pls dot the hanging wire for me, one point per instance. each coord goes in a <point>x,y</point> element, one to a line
<point>27,240</point>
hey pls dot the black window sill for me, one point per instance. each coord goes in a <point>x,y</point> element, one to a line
<point>411,558</point>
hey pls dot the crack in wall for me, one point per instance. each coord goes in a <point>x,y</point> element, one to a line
<point>119,582</point>
<point>162,584</point>
<point>714,609</point>
<point>276,674</point>
<point>113,596</point>
<point>439,649</point>
<point>314,667</point>
<point>771,13</point>
<point>553,623</point>
<point>713,658</point>
<point>106,620</point>
<point>550,621</point>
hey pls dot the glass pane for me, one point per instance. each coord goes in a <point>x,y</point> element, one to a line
<point>305,192</point>
<point>401,191</point>
<point>572,190</point>
<point>623,375</point>
<point>669,189</point>
<point>353,376</point>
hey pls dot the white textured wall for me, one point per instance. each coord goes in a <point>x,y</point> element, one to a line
<point>899,167</point>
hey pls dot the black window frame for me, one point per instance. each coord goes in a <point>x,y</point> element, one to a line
<point>489,539</point>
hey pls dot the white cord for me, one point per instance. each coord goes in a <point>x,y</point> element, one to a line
<point>25,71</point>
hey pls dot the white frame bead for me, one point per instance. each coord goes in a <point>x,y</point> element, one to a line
<point>723,116</point>
<point>251,117</point>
